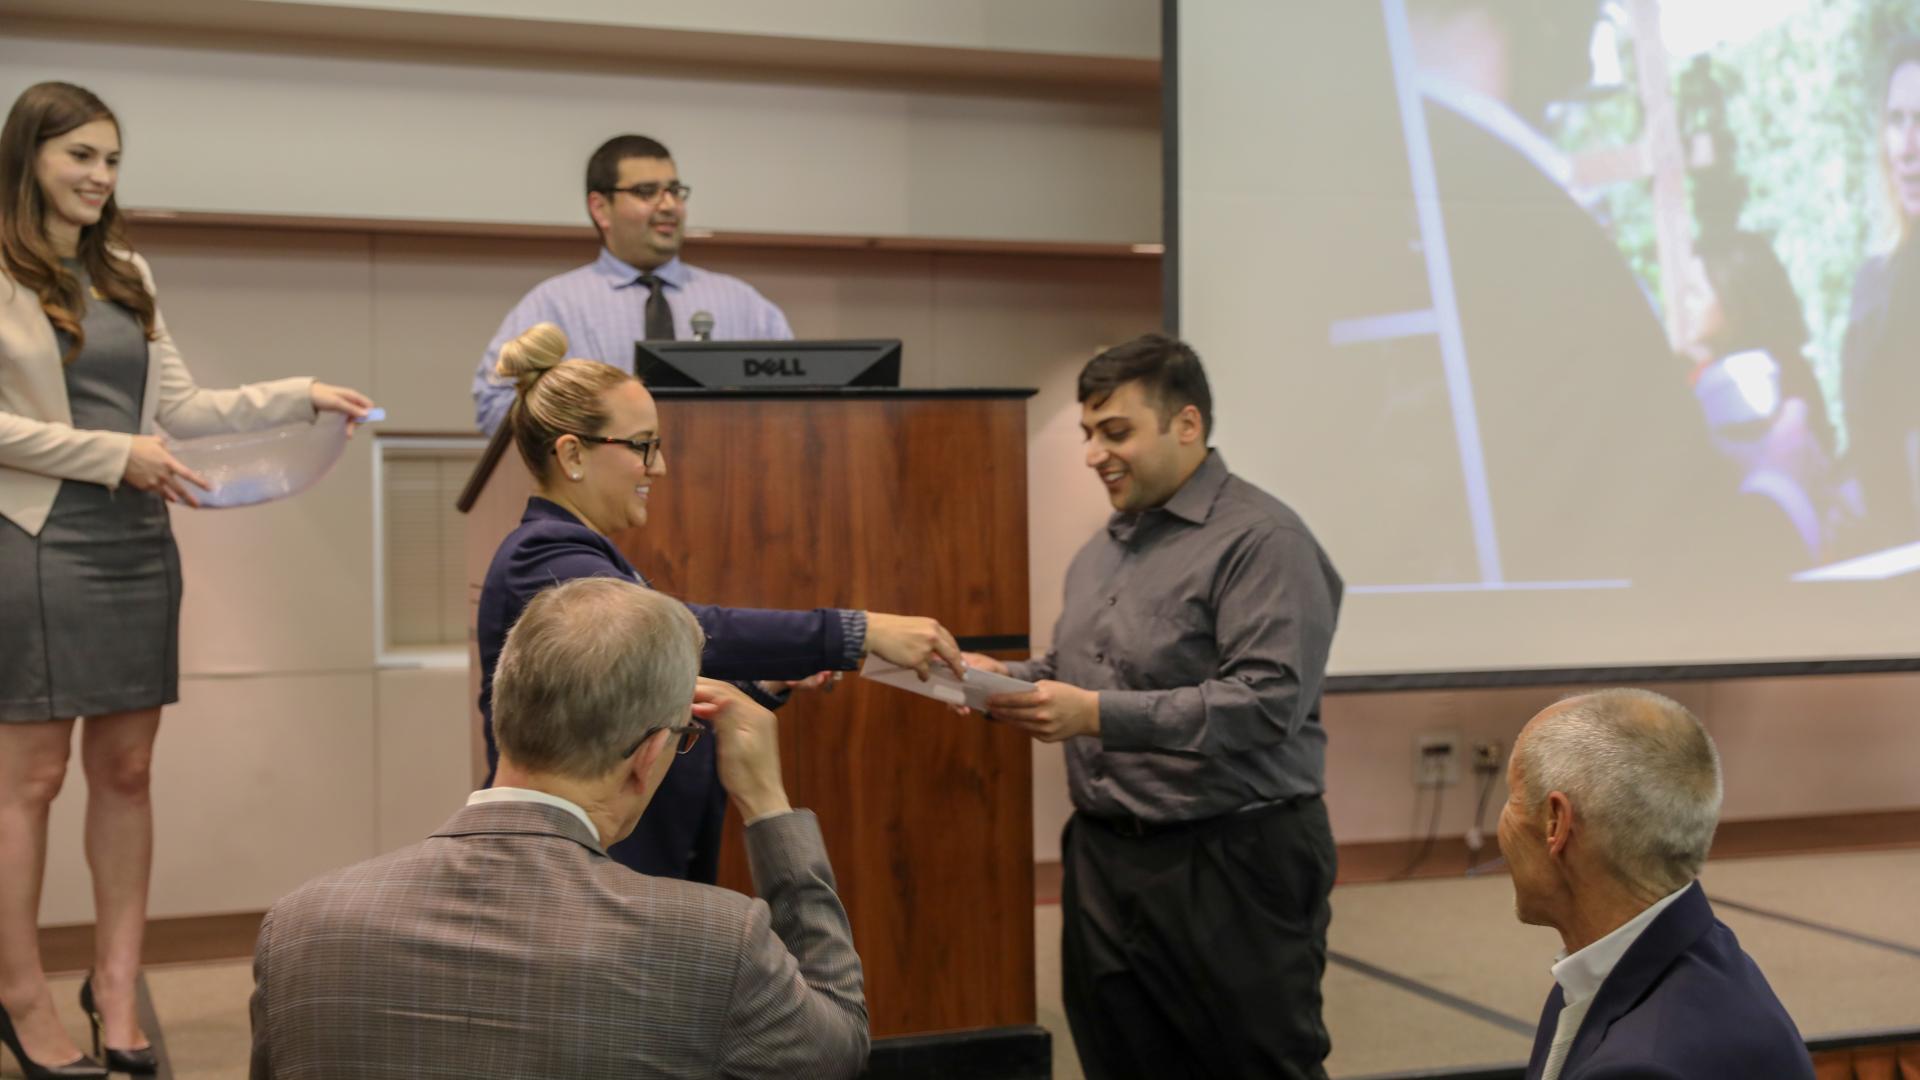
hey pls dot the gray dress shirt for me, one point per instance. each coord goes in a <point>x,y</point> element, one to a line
<point>1205,626</point>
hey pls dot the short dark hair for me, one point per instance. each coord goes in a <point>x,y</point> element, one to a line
<point>603,168</point>
<point>1166,368</point>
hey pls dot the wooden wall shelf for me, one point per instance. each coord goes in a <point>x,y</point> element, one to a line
<point>697,239</point>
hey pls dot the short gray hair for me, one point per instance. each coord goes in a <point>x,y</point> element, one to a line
<point>1643,776</point>
<point>591,668</point>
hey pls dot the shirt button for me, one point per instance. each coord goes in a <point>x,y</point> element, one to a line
<point>1112,600</point>
<point>1099,658</point>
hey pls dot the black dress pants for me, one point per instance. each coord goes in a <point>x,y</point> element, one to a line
<point>1197,950</point>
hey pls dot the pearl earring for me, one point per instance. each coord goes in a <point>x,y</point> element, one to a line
<point>576,476</point>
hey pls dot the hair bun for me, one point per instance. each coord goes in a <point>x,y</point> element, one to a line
<point>531,355</point>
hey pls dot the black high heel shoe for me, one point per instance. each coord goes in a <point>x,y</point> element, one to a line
<point>80,1068</point>
<point>141,1062</point>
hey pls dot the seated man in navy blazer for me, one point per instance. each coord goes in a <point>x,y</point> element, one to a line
<point>1613,801</point>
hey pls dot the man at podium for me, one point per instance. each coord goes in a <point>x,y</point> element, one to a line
<point>638,289</point>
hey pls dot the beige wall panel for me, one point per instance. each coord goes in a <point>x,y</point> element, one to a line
<point>422,749</point>
<point>1036,322</point>
<point>994,166</point>
<point>1789,748</point>
<point>437,302</point>
<point>231,130</point>
<point>842,294</point>
<point>285,586</point>
<point>1370,739</point>
<point>259,784</point>
<point>1086,27</point>
<point>1370,744</point>
<point>1817,744</point>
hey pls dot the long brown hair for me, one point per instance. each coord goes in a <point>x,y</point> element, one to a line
<point>46,111</point>
<point>1905,50</point>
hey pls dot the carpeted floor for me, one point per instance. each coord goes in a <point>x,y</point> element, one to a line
<point>1424,974</point>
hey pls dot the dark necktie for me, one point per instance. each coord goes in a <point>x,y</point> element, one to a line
<point>659,315</point>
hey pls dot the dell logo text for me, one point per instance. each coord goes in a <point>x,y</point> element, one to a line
<point>789,366</point>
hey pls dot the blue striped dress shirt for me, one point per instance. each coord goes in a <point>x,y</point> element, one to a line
<point>603,308</point>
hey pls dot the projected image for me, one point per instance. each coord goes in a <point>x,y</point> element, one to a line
<point>1670,290</point>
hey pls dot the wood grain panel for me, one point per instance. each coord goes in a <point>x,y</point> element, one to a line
<point>906,505</point>
<point>913,504</point>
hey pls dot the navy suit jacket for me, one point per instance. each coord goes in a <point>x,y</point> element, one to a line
<point>1684,1003</point>
<point>551,546</point>
<point>680,834</point>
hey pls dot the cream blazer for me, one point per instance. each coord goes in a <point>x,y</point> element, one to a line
<point>39,446</point>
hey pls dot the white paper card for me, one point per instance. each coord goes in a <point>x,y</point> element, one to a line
<point>943,686</point>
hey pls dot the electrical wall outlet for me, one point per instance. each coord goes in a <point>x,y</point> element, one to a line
<point>1436,759</point>
<point>1487,758</point>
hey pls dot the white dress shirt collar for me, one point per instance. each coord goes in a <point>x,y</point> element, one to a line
<point>620,273</point>
<point>514,794</point>
<point>1581,974</point>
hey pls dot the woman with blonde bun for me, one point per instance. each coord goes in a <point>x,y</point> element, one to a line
<point>89,575</point>
<point>590,434</point>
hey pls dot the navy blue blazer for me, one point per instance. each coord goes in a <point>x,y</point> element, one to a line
<point>1685,1003</point>
<point>551,546</point>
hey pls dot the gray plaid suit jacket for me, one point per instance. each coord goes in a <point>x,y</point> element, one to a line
<point>508,945</point>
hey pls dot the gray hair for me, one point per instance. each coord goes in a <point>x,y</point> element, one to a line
<point>1643,776</point>
<point>591,668</point>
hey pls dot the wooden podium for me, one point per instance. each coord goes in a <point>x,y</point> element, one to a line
<point>906,501</point>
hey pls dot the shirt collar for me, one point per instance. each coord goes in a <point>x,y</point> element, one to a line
<point>514,794</point>
<point>539,509</point>
<point>1192,503</point>
<point>620,274</point>
<point>1581,974</point>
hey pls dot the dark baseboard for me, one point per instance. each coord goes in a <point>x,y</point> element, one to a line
<point>229,937</point>
<point>1447,856</point>
<point>169,941</point>
<point>1002,1053</point>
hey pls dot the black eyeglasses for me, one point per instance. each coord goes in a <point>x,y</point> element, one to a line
<point>646,448</point>
<point>687,733</point>
<point>652,190</point>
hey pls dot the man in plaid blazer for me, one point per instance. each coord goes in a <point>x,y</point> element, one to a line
<point>508,945</point>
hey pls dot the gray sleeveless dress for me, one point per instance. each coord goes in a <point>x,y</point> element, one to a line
<point>90,608</point>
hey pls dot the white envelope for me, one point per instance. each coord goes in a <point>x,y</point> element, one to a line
<point>943,686</point>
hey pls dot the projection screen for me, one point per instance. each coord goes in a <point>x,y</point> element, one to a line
<point>1583,335</point>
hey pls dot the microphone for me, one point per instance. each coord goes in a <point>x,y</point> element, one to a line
<point>702,325</point>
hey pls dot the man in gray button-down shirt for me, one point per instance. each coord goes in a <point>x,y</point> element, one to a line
<point>1185,680</point>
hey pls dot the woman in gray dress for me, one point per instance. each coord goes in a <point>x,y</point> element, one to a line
<point>89,575</point>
